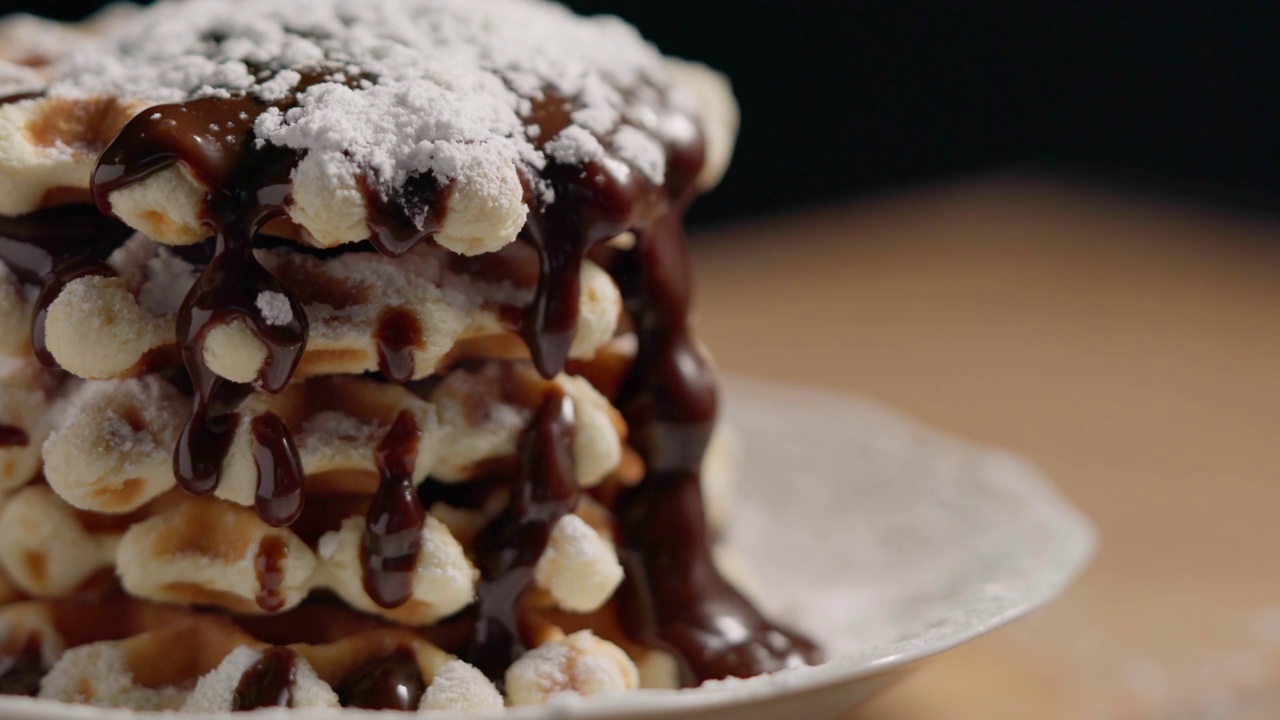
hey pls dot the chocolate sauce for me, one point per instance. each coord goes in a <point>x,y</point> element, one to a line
<point>592,204</point>
<point>545,490</point>
<point>398,335</point>
<point>52,247</point>
<point>268,566</point>
<point>393,527</point>
<point>673,597</point>
<point>268,682</point>
<point>391,683</point>
<point>11,436</point>
<point>21,671</point>
<point>408,215</point>
<point>210,137</point>
<point>279,496</point>
<point>249,186</point>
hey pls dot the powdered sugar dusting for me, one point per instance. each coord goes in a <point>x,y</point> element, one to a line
<point>444,86</point>
<point>459,686</point>
<point>575,144</point>
<point>275,308</point>
<point>642,150</point>
<point>17,79</point>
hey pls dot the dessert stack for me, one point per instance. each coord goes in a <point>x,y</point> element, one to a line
<point>347,360</point>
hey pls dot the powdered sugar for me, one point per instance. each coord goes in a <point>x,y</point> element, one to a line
<point>275,308</point>
<point>109,399</point>
<point>332,424</point>
<point>443,85</point>
<point>642,150</point>
<point>16,79</point>
<point>459,686</point>
<point>575,144</point>
<point>279,86</point>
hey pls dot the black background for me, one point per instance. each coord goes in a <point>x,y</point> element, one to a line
<point>847,98</point>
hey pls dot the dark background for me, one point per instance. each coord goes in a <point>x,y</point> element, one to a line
<point>847,98</point>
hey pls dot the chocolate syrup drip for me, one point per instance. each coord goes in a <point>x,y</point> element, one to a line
<point>268,682</point>
<point>268,565</point>
<point>673,597</point>
<point>52,247</point>
<point>249,187</point>
<point>11,436</point>
<point>279,496</point>
<point>398,335</point>
<point>592,203</point>
<point>408,215</point>
<point>21,671</point>
<point>391,683</point>
<point>545,490</point>
<point>393,527</point>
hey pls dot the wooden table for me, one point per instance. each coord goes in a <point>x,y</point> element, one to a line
<point>1129,347</point>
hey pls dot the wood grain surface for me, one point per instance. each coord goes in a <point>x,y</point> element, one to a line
<point>1129,346</point>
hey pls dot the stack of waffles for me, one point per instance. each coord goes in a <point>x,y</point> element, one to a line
<point>345,359</point>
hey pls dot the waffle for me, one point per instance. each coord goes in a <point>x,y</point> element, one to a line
<point>31,402</point>
<point>107,327</point>
<point>346,360</point>
<point>131,654</point>
<point>207,552</point>
<point>126,653</point>
<point>112,451</point>
<point>49,145</point>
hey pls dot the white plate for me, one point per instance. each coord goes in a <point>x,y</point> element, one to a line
<point>886,541</point>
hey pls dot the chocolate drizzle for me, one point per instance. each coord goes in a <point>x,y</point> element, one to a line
<point>393,527</point>
<point>50,248</point>
<point>545,490</point>
<point>592,202</point>
<point>249,187</point>
<point>398,335</point>
<point>22,670</point>
<point>673,597</point>
<point>409,215</point>
<point>278,497</point>
<point>268,682</point>
<point>12,436</point>
<point>393,682</point>
<point>268,566</point>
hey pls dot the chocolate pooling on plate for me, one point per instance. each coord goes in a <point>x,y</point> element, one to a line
<point>427,118</point>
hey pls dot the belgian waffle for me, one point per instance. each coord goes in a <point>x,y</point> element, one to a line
<point>103,327</point>
<point>345,360</point>
<point>127,653</point>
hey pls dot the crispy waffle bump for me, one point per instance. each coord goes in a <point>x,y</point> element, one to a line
<point>345,360</point>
